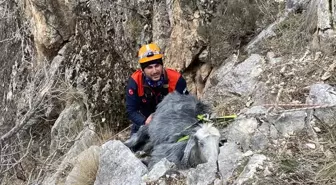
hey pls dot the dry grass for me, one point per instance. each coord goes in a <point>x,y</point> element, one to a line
<point>229,106</point>
<point>289,39</point>
<point>85,170</point>
<point>235,24</point>
<point>293,162</point>
<point>107,132</point>
<point>170,179</point>
<point>300,64</point>
<point>328,172</point>
<point>292,76</point>
<point>328,168</point>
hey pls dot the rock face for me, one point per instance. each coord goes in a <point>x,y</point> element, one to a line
<point>10,52</point>
<point>84,52</point>
<point>101,39</point>
<point>53,23</point>
<point>234,82</point>
<point>185,43</point>
<point>323,11</point>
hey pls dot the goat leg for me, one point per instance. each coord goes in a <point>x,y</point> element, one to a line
<point>185,163</point>
<point>138,138</point>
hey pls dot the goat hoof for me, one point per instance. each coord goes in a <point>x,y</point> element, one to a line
<point>145,161</point>
<point>140,153</point>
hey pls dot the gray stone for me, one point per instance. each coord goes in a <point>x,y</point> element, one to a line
<point>216,77</point>
<point>85,138</point>
<point>272,59</point>
<point>255,110</point>
<point>203,174</point>
<point>250,169</point>
<point>288,123</point>
<point>259,97</point>
<point>67,126</point>
<point>259,140</point>
<point>324,18</point>
<point>159,169</point>
<point>118,165</point>
<point>264,34</point>
<point>273,132</point>
<point>243,78</point>
<point>241,132</point>
<point>296,4</point>
<point>228,160</point>
<point>324,95</point>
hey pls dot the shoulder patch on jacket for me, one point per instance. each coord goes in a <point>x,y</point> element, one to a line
<point>130,92</point>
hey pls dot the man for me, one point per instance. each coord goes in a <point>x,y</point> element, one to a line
<point>147,86</point>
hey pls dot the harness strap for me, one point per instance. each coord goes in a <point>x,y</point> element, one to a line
<point>184,138</point>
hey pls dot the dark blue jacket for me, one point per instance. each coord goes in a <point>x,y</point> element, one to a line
<point>141,100</point>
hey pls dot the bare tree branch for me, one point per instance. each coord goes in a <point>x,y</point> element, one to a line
<point>24,120</point>
<point>12,165</point>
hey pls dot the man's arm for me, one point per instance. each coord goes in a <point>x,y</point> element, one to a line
<point>181,86</point>
<point>133,104</point>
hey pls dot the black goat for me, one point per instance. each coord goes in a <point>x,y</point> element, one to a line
<point>175,118</point>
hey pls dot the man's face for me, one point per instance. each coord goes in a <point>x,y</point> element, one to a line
<point>154,71</point>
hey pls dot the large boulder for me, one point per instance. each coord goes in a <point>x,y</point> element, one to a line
<point>118,165</point>
<point>233,82</point>
<point>229,157</point>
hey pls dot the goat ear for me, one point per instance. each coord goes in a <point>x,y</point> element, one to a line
<point>187,151</point>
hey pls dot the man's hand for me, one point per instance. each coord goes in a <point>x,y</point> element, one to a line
<point>149,119</point>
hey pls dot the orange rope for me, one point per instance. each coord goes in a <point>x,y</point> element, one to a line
<point>292,105</point>
<point>307,108</point>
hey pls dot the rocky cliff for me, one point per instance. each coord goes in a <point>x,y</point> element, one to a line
<point>64,65</point>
